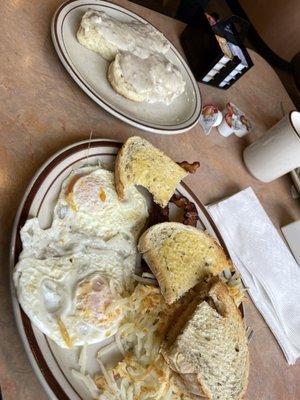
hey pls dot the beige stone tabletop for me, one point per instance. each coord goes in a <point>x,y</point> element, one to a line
<point>43,110</point>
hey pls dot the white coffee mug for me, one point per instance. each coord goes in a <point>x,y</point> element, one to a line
<point>277,152</point>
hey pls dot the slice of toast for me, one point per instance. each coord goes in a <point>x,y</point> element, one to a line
<point>140,163</point>
<point>181,256</point>
<point>209,347</point>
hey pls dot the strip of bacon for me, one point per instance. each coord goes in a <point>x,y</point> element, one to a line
<point>189,167</point>
<point>190,216</point>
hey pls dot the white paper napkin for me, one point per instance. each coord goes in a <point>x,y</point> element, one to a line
<point>267,267</point>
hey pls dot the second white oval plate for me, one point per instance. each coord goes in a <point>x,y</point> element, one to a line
<point>89,70</point>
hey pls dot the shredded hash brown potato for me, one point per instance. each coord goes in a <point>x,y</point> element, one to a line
<point>142,374</point>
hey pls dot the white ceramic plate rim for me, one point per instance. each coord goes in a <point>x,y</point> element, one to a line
<point>67,63</point>
<point>61,389</point>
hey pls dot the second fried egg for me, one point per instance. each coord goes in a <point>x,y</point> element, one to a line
<point>74,300</point>
<point>88,203</point>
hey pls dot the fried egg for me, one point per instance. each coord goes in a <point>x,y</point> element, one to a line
<point>60,240</point>
<point>88,203</point>
<point>73,279</point>
<point>74,300</point>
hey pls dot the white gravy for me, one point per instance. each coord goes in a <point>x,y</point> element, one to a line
<point>155,76</point>
<point>136,37</point>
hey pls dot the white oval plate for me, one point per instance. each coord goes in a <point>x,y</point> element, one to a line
<point>51,363</point>
<point>89,71</point>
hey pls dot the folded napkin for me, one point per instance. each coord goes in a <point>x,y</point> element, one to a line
<point>266,265</point>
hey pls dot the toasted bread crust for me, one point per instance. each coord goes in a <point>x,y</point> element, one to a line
<point>225,306</point>
<point>164,278</point>
<point>185,307</point>
<point>150,168</point>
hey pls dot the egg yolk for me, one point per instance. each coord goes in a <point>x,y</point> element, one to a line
<point>93,296</point>
<point>86,193</point>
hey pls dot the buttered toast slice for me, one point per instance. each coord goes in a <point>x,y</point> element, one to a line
<point>209,347</point>
<point>180,256</point>
<point>140,163</point>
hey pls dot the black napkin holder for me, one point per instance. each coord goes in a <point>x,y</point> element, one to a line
<point>205,56</point>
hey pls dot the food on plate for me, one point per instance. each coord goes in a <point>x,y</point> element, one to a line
<point>152,364</point>
<point>234,284</point>
<point>190,213</point>
<point>207,347</point>
<point>180,256</point>
<point>139,70</point>
<point>158,214</point>
<point>88,203</point>
<point>152,79</point>
<point>178,332</point>
<point>61,240</point>
<point>140,163</point>
<point>189,167</point>
<point>73,278</point>
<point>106,35</point>
<point>75,299</point>
<point>143,373</point>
